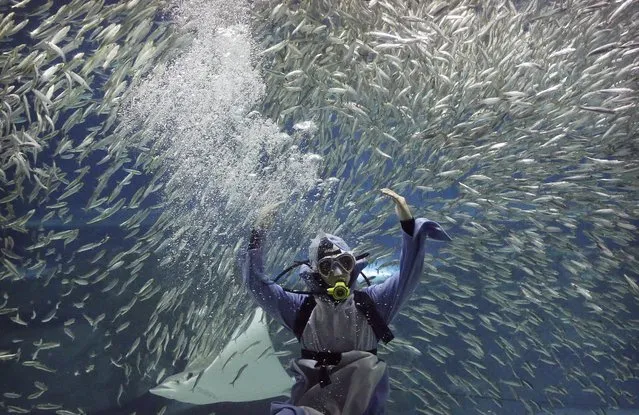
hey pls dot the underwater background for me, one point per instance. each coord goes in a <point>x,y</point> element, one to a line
<point>140,138</point>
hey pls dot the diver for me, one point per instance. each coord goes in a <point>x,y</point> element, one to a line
<point>338,325</point>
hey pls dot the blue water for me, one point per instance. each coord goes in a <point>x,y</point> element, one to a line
<point>100,384</point>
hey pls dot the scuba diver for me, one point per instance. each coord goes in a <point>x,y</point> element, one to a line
<point>337,325</point>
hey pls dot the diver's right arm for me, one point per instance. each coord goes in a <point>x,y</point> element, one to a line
<point>279,304</point>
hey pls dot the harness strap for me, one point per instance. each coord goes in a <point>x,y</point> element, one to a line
<point>365,304</point>
<point>324,359</point>
<point>327,358</point>
<point>303,316</point>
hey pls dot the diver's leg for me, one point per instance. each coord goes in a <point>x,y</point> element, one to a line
<point>288,407</point>
<point>287,411</point>
<point>377,404</point>
<point>279,408</point>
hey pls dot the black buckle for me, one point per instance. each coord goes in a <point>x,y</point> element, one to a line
<point>324,378</point>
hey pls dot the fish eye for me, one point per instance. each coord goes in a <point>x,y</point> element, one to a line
<point>189,375</point>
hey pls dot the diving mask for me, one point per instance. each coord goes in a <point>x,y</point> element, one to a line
<point>336,273</point>
<point>345,261</point>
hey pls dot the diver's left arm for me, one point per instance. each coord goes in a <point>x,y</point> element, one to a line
<point>395,291</point>
<point>390,295</point>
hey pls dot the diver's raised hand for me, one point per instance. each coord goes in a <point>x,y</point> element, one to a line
<point>266,216</point>
<point>401,207</point>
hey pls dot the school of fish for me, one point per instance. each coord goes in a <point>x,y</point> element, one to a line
<point>139,138</point>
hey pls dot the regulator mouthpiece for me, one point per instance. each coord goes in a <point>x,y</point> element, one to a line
<point>340,291</point>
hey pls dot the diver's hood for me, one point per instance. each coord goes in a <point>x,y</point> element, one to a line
<point>323,245</point>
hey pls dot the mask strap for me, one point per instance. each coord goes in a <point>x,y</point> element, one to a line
<point>365,279</point>
<point>362,256</point>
